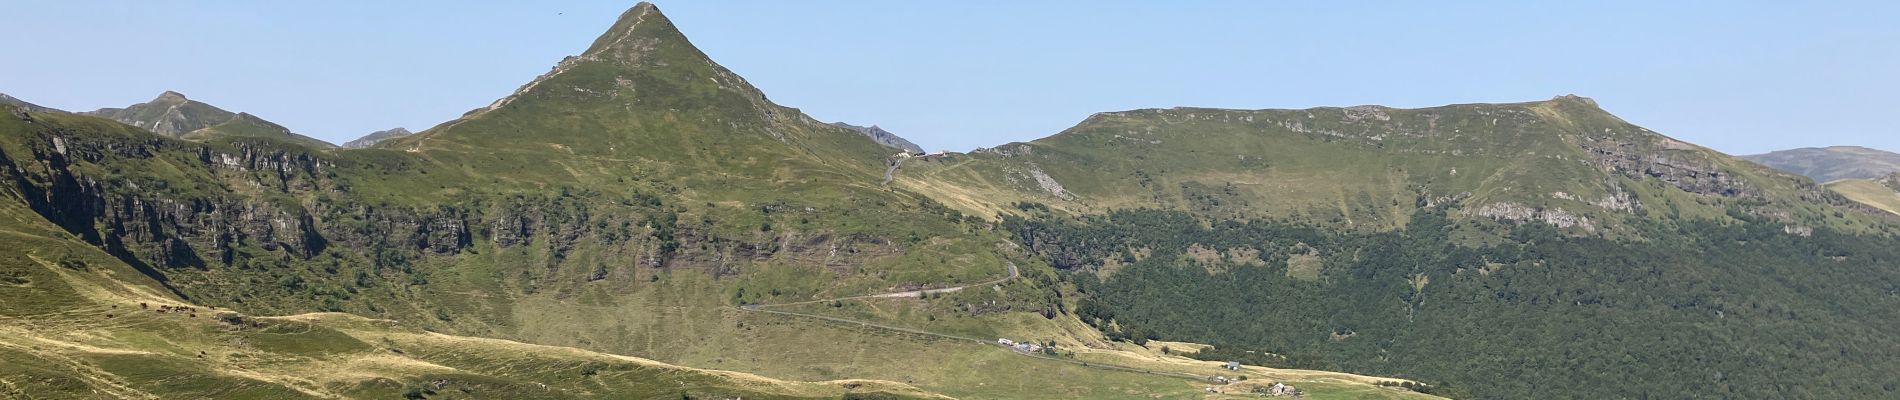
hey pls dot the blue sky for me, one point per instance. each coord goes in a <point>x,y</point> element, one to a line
<point>1742,77</point>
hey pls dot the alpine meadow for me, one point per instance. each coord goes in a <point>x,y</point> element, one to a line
<point>641,222</point>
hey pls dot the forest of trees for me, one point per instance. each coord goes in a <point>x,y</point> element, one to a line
<point>1694,309</point>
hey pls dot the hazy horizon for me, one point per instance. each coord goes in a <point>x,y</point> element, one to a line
<point>1740,78</point>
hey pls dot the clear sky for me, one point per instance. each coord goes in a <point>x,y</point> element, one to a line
<point>1742,77</point>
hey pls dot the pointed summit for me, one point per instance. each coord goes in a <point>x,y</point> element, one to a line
<point>641,67</point>
<point>643,91</point>
<point>637,27</point>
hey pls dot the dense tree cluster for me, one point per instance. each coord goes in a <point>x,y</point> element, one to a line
<point>1693,309</point>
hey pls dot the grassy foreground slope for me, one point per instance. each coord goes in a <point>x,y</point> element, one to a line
<point>78,323</point>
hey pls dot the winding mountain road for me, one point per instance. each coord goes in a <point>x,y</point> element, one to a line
<point>1013,274</point>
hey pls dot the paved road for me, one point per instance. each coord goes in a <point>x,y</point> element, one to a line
<point>893,169</point>
<point>1013,274</point>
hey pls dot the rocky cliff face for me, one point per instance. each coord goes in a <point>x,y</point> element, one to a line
<point>376,137</point>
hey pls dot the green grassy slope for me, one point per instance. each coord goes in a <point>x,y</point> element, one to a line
<point>680,313</point>
<point>1871,193</point>
<point>250,126</point>
<point>1563,161</point>
<point>626,203</point>
<point>78,323</point>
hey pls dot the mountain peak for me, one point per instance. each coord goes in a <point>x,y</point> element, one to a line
<point>637,30</point>
<point>170,96</point>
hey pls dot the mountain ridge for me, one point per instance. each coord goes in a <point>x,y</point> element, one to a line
<point>373,138</point>
<point>1563,161</point>
<point>883,137</point>
<point>1828,164</point>
<point>24,105</point>
<point>174,115</point>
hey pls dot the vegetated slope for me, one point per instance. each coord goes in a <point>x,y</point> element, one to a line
<point>1693,309</point>
<point>171,114</point>
<point>268,228</point>
<point>637,161</point>
<point>625,203</point>
<point>1547,221</point>
<point>1883,193</point>
<point>1563,161</point>
<point>376,137</point>
<point>1828,164</point>
<point>79,323</point>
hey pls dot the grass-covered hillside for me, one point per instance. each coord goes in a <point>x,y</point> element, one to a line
<point>639,200</point>
<point>628,202</point>
<point>79,323</point>
<point>1563,162</point>
<point>1883,194</point>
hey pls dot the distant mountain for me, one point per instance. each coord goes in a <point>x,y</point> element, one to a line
<point>1828,164</point>
<point>376,137</point>
<point>1563,161</point>
<point>883,137</point>
<point>22,104</point>
<point>172,114</point>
